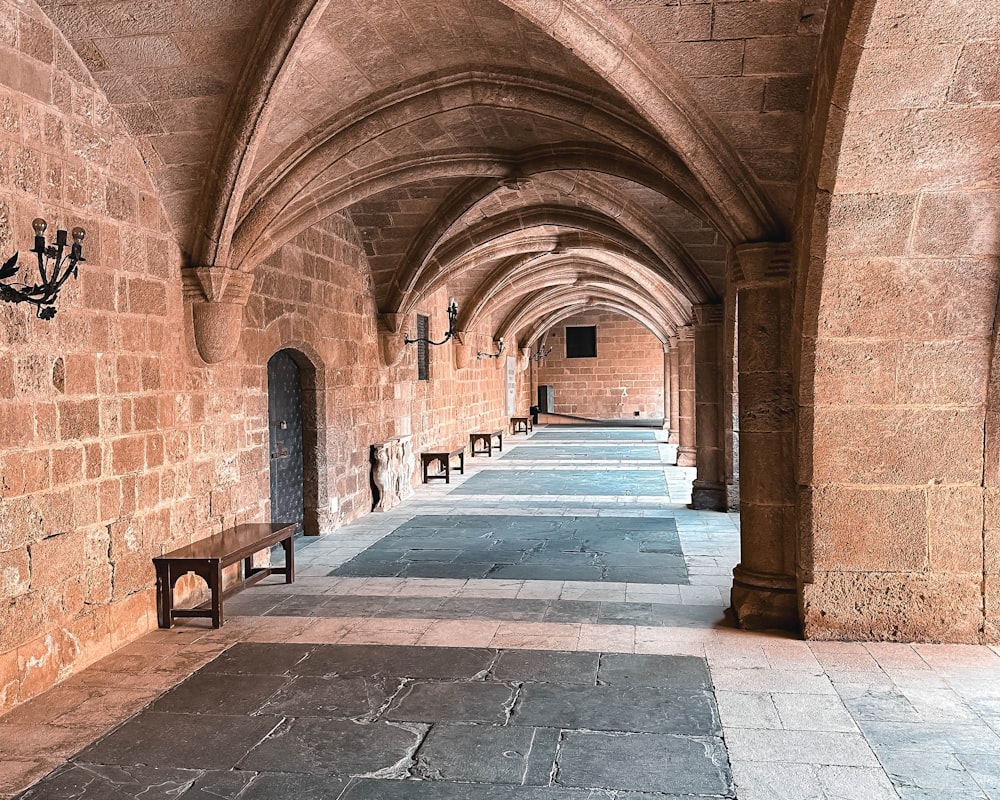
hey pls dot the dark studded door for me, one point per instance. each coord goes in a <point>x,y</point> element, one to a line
<point>284,415</point>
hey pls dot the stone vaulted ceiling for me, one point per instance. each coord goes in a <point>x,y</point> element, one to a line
<point>534,158</point>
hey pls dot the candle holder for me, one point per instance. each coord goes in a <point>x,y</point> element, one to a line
<point>55,267</point>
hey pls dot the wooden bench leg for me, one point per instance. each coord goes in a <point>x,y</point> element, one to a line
<point>289,546</point>
<point>446,463</point>
<point>215,586</point>
<point>500,442</point>
<point>164,596</point>
<point>461,462</point>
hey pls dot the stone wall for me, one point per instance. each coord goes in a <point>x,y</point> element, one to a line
<point>899,304</point>
<point>625,378</point>
<point>118,443</point>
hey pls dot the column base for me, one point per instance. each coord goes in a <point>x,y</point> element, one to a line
<point>707,496</point>
<point>674,437</point>
<point>765,602</point>
<point>687,456</point>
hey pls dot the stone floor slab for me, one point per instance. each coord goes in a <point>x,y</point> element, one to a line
<point>645,763</point>
<point>192,741</point>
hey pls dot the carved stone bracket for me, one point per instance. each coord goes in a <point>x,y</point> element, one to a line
<point>708,314</point>
<point>762,263</point>
<point>392,348</point>
<point>217,296</point>
<point>463,355</point>
<point>392,471</point>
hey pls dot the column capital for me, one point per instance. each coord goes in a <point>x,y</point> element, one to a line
<point>708,313</point>
<point>759,263</point>
<point>685,333</point>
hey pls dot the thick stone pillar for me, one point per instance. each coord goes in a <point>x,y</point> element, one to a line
<point>764,587</point>
<point>666,387</point>
<point>686,451</point>
<point>674,388</point>
<point>709,488</point>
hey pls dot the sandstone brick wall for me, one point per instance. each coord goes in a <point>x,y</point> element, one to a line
<point>625,378</point>
<point>315,296</point>
<point>900,306</point>
<point>118,443</point>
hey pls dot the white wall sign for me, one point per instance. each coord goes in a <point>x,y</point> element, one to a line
<point>511,386</point>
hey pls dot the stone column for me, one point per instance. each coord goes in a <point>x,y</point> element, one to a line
<point>709,489</point>
<point>666,387</point>
<point>764,587</point>
<point>674,388</point>
<point>685,398</point>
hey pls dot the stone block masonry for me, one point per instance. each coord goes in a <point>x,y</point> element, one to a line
<point>625,381</point>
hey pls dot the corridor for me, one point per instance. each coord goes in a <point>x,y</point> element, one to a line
<point>549,626</point>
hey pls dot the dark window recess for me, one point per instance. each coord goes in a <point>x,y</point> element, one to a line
<point>581,341</point>
<point>423,326</point>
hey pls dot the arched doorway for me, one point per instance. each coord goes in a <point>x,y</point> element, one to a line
<point>285,438</point>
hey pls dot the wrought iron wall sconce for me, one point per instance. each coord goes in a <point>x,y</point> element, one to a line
<point>61,266</point>
<point>481,355</point>
<point>541,353</point>
<point>452,319</point>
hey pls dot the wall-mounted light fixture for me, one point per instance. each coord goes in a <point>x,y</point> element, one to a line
<point>541,353</point>
<point>481,355</point>
<point>60,267</point>
<point>452,319</point>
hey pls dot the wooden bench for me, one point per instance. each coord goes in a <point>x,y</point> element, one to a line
<point>520,425</point>
<point>208,557</point>
<point>485,442</point>
<point>443,457</point>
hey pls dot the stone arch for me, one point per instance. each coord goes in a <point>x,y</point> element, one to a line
<point>898,270</point>
<point>549,275</point>
<point>295,193</point>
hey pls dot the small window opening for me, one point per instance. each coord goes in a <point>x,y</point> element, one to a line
<point>423,352</point>
<point>581,341</point>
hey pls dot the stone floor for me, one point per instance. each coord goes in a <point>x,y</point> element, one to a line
<point>404,662</point>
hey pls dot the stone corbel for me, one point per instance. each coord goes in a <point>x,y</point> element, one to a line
<point>762,263</point>
<point>217,296</point>
<point>463,354</point>
<point>390,339</point>
<point>524,359</point>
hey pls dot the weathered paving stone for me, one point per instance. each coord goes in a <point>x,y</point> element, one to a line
<point>331,697</point>
<point>442,663</point>
<point>672,672</point>
<point>251,658</point>
<point>568,433</point>
<point>319,746</point>
<point>616,708</point>
<point>365,789</point>
<point>279,786</point>
<point>644,762</point>
<point>218,786</point>
<point>648,452</point>
<point>196,741</point>
<point>219,693</point>
<point>486,754</point>
<point>100,782</point>
<point>566,482</point>
<point>519,548</point>
<point>393,722</point>
<point>453,702</point>
<point>552,667</point>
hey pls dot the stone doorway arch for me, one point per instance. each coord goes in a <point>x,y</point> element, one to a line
<point>292,438</point>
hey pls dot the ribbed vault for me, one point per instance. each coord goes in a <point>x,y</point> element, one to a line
<point>466,140</point>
